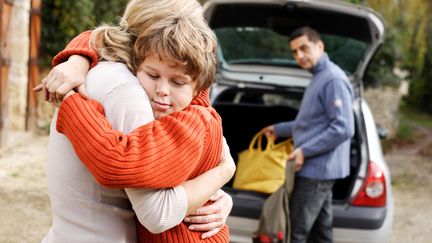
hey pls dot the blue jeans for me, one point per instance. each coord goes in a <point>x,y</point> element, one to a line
<point>311,211</point>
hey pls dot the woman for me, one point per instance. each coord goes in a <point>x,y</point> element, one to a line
<point>109,95</point>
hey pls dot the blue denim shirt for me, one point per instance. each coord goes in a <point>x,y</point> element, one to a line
<point>325,123</point>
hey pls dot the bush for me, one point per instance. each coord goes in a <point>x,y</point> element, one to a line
<point>64,19</point>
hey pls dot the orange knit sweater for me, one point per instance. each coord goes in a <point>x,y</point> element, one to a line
<point>163,153</point>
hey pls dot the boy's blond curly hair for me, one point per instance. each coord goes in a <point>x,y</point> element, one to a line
<point>173,29</point>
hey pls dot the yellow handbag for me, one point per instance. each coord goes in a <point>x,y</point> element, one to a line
<point>262,170</point>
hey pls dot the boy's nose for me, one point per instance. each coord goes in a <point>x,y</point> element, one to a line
<point>162,88</point>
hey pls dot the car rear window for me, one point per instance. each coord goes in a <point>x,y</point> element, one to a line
<point>263,46</point>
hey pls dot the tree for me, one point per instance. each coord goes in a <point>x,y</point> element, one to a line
<point>408,45</point>
<point>64,19</point>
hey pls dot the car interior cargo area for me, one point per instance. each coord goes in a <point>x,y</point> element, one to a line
<point>245,112</point>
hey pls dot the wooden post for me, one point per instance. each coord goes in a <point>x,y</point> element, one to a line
<point>5,14</point>
<point>33,65</point>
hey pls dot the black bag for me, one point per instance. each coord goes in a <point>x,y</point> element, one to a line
<point>274,223</point>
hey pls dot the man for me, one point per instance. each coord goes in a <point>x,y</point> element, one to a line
<point>321,133</point>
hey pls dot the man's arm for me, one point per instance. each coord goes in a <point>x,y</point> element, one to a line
<point>283,129</point>
<point>338,102</point>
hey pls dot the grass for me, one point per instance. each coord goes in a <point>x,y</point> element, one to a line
<point>408,113</point>
<point>405,130</point>
<point>406,133</point>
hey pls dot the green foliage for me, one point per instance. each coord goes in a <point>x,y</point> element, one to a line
<point>418,116</point>
<point>64,19</point>
<point>421,85</point>
<point>408,46</point>
<point>380,70</point>
<point>405,131</point>
<point>108,11</point>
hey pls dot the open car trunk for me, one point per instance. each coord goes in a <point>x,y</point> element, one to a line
<point>244,112</point>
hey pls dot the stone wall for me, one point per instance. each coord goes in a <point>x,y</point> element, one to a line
<point>384,103</point>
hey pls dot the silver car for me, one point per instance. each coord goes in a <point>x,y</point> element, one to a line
<point>259,83</point>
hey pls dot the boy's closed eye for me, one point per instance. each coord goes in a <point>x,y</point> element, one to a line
<point>152,76</point>
<point>178,83</point>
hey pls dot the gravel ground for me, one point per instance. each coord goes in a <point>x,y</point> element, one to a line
<point>24,204</point>
<point>25,209</point>
<point>411,169</point>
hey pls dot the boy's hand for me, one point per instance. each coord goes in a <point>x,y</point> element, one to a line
<point>58,103</point>
<point>211,218</point>
<point>65,77</point>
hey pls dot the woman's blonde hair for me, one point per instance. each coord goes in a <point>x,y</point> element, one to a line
<point>172,29</point>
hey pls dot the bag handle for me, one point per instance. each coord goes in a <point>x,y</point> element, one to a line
<point>257,140</point>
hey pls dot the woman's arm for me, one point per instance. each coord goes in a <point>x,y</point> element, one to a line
<point>210,219</point>
<point>159,210</point>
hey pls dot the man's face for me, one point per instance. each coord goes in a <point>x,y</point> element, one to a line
<point>306,52</point>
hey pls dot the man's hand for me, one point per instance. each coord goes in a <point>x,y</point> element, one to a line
<point>298,157</point>
<point>65,77</point>
<point>269,132</point>
<point>211,218</point>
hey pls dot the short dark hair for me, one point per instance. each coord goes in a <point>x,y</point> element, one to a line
<point>312,34</point>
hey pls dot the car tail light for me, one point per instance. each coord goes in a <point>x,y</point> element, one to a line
<point>373,192</point>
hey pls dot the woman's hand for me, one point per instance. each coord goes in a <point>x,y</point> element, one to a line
<point>211,218</point>
<point>64,78</point>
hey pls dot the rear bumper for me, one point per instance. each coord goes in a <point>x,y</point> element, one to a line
<point>360,236</point>
<point>350,224</point>
<point>248,205</point>
<point>367,218</point>
<point>241,230</point>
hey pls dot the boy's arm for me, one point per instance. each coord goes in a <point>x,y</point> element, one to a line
<point>80,45</point>
<point>160,154</point>
<point>70,67</point>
